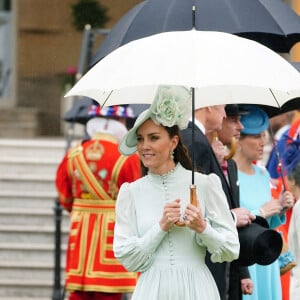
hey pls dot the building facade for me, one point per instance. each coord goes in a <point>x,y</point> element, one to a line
<point>38,44</point>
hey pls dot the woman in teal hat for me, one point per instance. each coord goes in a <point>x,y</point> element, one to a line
<point>255,195</point>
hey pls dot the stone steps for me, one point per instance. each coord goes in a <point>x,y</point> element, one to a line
<point>27,217</point>
<point>15,252</point>
<point>24,123</point>
<point>32,165</point>
<point>27,269</point>
<point>25,288</point>
<point>30,148</point>
<point>38,217</point>
<point>30,233</point>
<point>29,199</point>
<point>34,184</point>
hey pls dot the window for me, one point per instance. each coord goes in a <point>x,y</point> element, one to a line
<point>5,49</point>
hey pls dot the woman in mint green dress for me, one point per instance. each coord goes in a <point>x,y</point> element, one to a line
<point>255,195</point>
<point>170,258</point>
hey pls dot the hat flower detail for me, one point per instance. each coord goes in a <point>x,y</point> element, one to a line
<point>167,112</point>
<point>172,106</point>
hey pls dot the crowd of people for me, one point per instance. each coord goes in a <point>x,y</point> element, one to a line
<point>147,222</point>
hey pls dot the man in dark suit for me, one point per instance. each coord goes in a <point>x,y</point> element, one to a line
<point>209,154</point>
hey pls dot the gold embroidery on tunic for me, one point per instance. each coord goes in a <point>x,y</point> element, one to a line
<point>93,166</point>
<point>112,189</point>
<point>94,151</point>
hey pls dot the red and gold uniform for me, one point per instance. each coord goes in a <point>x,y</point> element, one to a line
<point>88,180</point>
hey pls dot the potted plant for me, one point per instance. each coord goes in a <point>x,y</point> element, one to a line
<point>89,12</point>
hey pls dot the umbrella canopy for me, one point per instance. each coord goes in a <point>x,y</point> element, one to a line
<point>223,68</point>
<point>293,104</point>
<point>271,23</point>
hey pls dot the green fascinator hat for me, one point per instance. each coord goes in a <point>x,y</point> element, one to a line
<point>171,106</point>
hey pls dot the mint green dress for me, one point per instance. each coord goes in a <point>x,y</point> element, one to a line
<point>171,264</point>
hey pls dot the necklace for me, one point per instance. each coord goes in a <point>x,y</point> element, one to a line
<point>167,173</point>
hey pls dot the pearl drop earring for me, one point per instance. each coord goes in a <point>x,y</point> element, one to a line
<point>171,154</point>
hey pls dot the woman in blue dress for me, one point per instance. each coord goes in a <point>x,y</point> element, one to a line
<point>255,195</point>
<point>170,258</point>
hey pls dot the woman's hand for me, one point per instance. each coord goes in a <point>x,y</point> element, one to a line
<point>193,218</point>
<point>271,208</point>
<point>243,216</point>
<point>247,286</point>
<point>286,200</point>
<point>171,214</point>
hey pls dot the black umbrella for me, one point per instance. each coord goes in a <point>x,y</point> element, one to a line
<point>290,105</point>
<point>272,23</point>
<point>296,65</point>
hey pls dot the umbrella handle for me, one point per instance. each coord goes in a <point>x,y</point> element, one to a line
<point>193,195</point>
<point>193,201</point>
<point>232,148</point>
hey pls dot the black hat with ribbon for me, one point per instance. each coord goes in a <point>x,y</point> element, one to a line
<point>85,109</point>
<point>235,110</point>
<point>258,243</point>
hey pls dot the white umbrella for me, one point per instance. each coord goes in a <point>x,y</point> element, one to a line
<point>222,68</point>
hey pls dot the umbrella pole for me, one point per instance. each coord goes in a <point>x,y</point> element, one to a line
<point>193,194</point>
<point>193,135</point>
<point>284,187</point>
<point>193,109</point>
<point>278,159</point>
<point>194,16</point>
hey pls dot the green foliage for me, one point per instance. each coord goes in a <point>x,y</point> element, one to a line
<point>89,12</point>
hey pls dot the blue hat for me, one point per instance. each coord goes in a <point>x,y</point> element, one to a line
<point>291,156</point>
<point>255,122</point>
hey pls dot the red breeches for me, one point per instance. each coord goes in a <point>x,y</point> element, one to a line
<point>80,295</point>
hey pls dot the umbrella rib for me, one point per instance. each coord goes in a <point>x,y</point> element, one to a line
<point>106,99</point>
<point>274,97</point>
